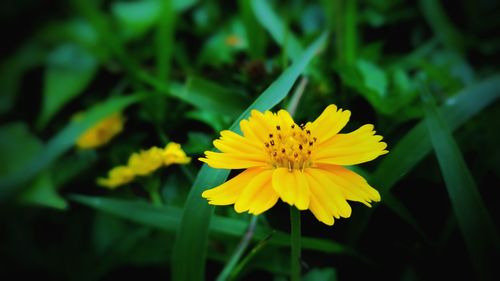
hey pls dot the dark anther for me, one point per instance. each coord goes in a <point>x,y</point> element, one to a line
<point>283,150</point>
<point>309,152</point>
<point>270,135</point>
<point>274,153</point>
<point>267,144</point>
<point>272,142</point>
<point>300,146</point>
<point>315,139</point>
<point>293,126</point>
<point>310,143</point>
<point>278,127</point>
<point>308,132</point>
<point>296,155</point>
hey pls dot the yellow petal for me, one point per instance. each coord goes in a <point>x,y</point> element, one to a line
<point>350,149</point>
<point>239,142</point>
<point>254,193</point>
<point>232,160</point>
<point>292,187</point>
<point>354,186</point>
<point>258,126</point>
<point>329,123</point>
<point>264,200</point>
<point>328,195</point>
<point>228,192</point>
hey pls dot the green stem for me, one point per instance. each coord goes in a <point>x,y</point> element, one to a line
<point>153,188</point>
<point>295,243</point>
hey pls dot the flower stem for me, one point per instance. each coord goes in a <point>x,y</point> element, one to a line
<point>295,243</point>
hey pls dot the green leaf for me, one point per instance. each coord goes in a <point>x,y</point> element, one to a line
<point>42,191</point>
<point>62,142</point>
<point>12,70</point>
<point>441,25</point>
<point>254,33</point>
<point>324,274</point>
<point>18,147</point>
<point>210,96</point>
<point>168,218</point>
<point>69,71</point>
<point>138,17</point>
<point>373,77</point>
<point>277,28</point>
<point>474,221</point>
<point>416,144</point>
<point>188,262</point>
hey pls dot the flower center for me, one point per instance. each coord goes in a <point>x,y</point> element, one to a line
<point>290,147</point>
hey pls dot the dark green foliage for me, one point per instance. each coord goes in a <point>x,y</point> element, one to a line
<point>425,73</point>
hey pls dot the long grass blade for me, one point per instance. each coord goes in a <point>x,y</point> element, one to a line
<point>416,144</point>
<point>474,221</point>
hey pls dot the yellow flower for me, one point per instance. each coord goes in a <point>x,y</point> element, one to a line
<point>301,165</point>
<point>147,161</point>
<point>102,132</point>
<point>144,163</point>
<point>117,176</point>
<point>173,154</point>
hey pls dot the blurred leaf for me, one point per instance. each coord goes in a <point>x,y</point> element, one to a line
<point>168,218</point>
<point>189,254</point>
<point>223,45</point>
<point>69,71</point>
<point>213,119</point>
<point>210,96</point>
<point>72,165</point>
<point>18,147</point>
<point>61,143</point>
<point>323,274</point>
<point>197,143</point>
<point>277,28</point>
<point>254,34</point>
<point>137,17</point>
<point>373,77</point>
<point>42,191</point>
<point>416,144</point>
<point>12,71</point>
<point>441,25</point>
<point>474,221</point>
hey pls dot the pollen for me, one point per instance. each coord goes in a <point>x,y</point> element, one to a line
<point>290,147</point>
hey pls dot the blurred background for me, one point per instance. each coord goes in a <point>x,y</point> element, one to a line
<point>425,73</point>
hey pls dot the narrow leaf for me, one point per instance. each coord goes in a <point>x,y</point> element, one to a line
<point>168,218</point>
<point>277,28</point>
<point>416,144</point>
<point>474,221</point>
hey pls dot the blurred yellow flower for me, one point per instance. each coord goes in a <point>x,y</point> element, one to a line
<point>173,154</point>
<point>301,165</point>
<point>102,132</point>
<point>117,176</point>
<point>144,163</point>
<point>233,40</point>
